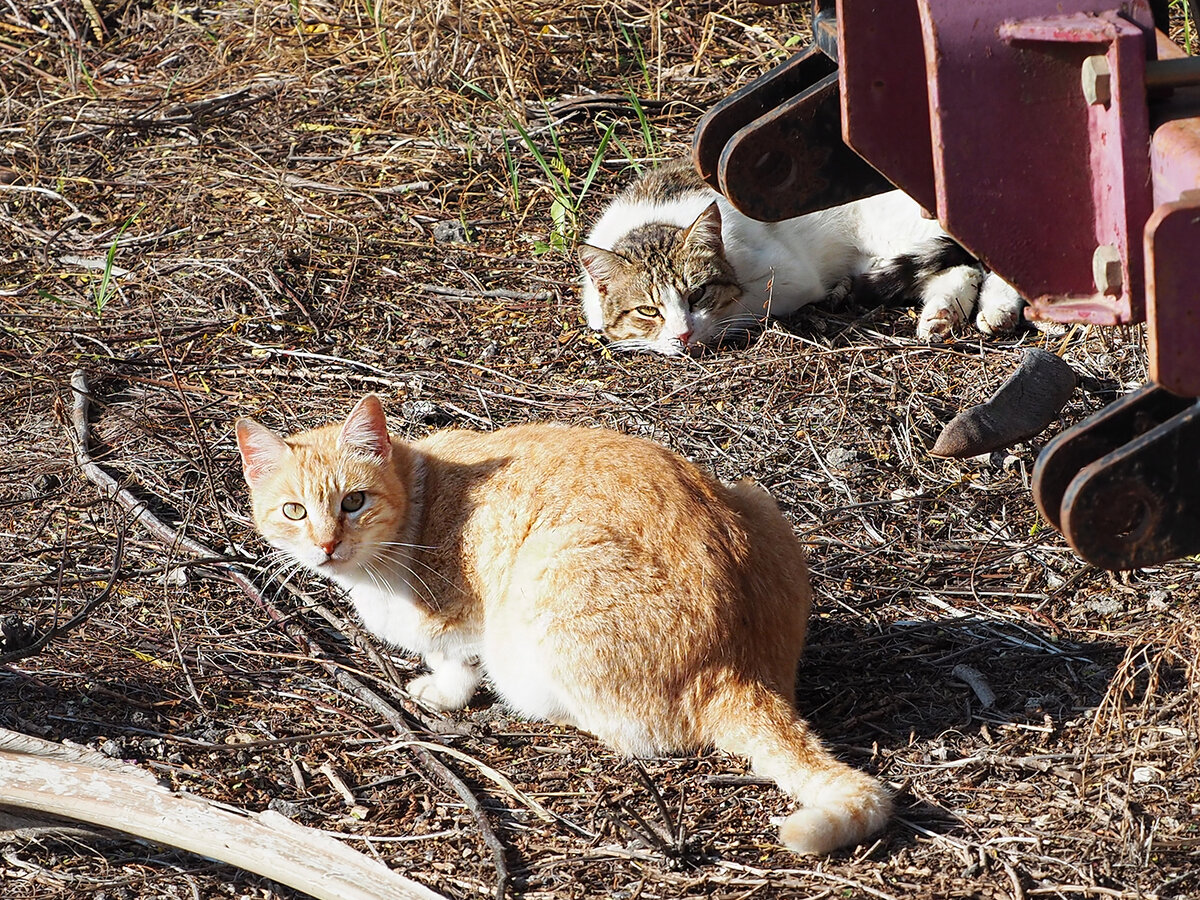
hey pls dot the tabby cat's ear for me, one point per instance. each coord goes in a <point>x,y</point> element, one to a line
<point>600,264</point>
<point>262,450</point>
<point>705,232</point>
<point>365,429</point>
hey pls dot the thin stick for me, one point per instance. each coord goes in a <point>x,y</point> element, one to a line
<point>169,536</point>
<point>59,630</point>
<point>974,678</point>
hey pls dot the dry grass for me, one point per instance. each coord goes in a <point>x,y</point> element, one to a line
<point>264,190</point>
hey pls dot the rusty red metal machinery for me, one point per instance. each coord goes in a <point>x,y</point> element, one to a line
<point>1059,141</point>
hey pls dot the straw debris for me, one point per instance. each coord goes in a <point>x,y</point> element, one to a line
<point>230,209</point>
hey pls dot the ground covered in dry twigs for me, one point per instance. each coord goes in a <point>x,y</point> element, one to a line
<point>273,208</point>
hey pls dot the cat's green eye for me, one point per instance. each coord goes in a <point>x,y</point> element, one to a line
<point>649,312</point>
<point>294,511</point>
<point>353,501</point>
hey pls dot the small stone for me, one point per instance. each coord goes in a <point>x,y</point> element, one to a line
<point>284,807</point>
<point>112,749</point>
<point>840,457</point>
<point>176,577</point>
<point>1105,606</point>
<point>1144,775</point>
<point>1157,600</point>
<point>452,231</point>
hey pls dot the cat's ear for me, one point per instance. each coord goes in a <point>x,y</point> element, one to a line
<point>705,232</point>
<point>601,265</point>
<point>262,450</point>
<point>365,429</point>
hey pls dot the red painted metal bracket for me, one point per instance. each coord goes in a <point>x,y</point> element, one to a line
<point>1101,61</point>
<point>884,92</point>
<point>1053,143</point>
<point>1173,294</point>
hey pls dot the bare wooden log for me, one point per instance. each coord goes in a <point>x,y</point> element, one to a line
<point>16,825</point>
<point>1022,408</point>
<point>37,776</point>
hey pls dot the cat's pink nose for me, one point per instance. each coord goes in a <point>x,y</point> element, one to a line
<point>685,336</point>
<point>329,547</point>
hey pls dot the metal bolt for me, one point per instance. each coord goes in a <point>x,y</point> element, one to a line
<point>1106,270</point>
<point>1097,80</point>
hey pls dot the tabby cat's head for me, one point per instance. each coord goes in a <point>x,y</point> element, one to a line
<point>661,287</point>
<point>330,498</point>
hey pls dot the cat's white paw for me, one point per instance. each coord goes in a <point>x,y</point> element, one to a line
<point>948,299</point>
<point>1000,306</point>
<point>443,689</point>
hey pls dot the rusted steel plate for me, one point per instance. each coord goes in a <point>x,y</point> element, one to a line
<point>885,97</point>
<point>793,161</point>
<point>1173,294</point>
<point>1029,175</point>
<point>1139,505</point>
<point>756,99</point>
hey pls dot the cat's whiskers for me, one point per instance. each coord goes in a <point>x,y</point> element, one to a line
<point>382,582</point>
<point>401,560</point>
<point>377,579</point>
<point>633,345</point>
<point>399,556</point>
<point>281,568</point>
<point>738,327</point>
<point>407,545</point>
<point>276,562</point>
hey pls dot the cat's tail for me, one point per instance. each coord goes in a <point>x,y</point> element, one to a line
<point>839,805</point>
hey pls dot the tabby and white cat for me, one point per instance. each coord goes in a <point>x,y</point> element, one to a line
<point>671,266</point>
<point>597,580</point>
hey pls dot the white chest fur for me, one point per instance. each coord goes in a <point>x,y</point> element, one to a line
<point>393,615</point>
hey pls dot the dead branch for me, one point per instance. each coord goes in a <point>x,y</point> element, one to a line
<point>38,777</point>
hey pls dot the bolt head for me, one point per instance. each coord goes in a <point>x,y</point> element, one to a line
<point>1097,80</point>
<point>1106,270</point>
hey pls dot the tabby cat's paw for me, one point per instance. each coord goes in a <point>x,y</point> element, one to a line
<point>1000,306</point>
<point>948,300</point>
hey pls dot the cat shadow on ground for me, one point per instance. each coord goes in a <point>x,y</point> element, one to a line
<point>921,695</point>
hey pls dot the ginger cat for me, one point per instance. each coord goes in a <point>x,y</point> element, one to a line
<point>596,579</point>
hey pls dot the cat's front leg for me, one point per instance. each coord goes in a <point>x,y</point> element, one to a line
<point>450,683</point>
<point>947,301</point>
<point>1000,306</point>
